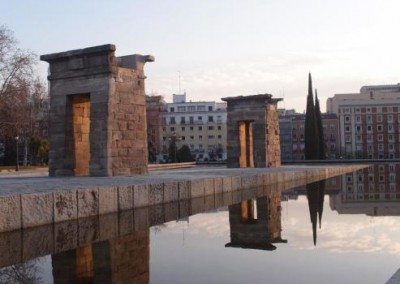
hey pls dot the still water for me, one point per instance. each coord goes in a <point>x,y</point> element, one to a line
<point>344,230</point>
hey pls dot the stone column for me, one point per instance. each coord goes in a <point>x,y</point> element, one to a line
<point>257,116</point>
<point>110,139</point>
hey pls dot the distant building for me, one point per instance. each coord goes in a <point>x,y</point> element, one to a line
<point>369,122</point>
<point>292,136</point>
<point>200,125</point>
<point>285,133</point>
<point>155,107</point>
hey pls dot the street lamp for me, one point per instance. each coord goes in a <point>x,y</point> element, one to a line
<point>17,165</point>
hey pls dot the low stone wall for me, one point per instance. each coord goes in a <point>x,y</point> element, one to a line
<point>35,209</point>
<point>22,245</point>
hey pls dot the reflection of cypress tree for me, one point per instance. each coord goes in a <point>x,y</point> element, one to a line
<point>315,197</point>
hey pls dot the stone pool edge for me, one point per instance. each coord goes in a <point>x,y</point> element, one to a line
<point>22,211</point>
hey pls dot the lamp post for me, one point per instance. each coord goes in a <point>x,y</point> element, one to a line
<point>17,164</point>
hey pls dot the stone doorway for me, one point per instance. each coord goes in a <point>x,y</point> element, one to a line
<point>80,112</point>
<point>246,158</point>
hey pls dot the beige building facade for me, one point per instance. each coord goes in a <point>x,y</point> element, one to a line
<point>199,125</point>
<point>369,122</point>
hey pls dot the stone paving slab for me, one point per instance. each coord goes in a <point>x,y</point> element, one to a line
<point>69,198</point>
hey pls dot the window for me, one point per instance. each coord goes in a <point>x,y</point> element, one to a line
<point>358,119</point>
<point>211,128</point>
<point>200,118</point>
<point>390,137</point>
<point>380,128</point>
<point>379,118</point>
<point>191,108</point>
<point>390,127</point>
<point>191,128</point>
<point>347,128</point>
<point>211,136</point>
<point>183,138</point>
<point>191,119</point>
<point>200,128</point>
<point>181,108</point>
<point>210,108</point>
<point>191,137</point>
<point>347,118</point>
<point>210,119</point>
<point>200,137</point>
<point>171,109</point>
<point>358,128</point>
<point>369,128</point>
<point>201,108</point>
<point>172,129</point>
<point>369,119</point>
<point>390,118</point>
<point>380,147</point>
<point>219,136</point>
<point>183,128</point>
<point>183,120</point>
<point>380,137</point>
<point>219,127</point>
<point>172,120</point>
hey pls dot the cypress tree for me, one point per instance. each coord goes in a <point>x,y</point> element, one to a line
<point>321,140</point>
<point>311,137</point>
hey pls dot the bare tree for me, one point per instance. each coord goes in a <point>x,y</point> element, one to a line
<point>23,97</point>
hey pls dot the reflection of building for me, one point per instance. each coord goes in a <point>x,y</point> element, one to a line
<point>332,186</point>
<point>374,191</point>
<point>369,121</point>
<point>256,224</point>
<point>200,125</point>
<point>121,260</point>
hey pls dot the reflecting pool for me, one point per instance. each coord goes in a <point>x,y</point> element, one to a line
<point>342,230</point>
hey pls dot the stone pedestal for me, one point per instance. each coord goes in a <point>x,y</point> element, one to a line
<point>253,132</point>
<point>97,113</point>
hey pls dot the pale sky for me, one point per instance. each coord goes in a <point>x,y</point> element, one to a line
<point>227,48</point>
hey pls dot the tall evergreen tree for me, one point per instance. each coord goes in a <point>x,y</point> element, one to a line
<point>318,118</point>
<point>311,139</point>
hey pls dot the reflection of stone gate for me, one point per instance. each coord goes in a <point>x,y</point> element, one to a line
<point>253,132</point>
<point>97,113</point>
<point>120,260</point>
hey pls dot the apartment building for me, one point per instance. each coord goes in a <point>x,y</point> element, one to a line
<point>200,125</point>
<point>369,122</point>
<point>292,136</point>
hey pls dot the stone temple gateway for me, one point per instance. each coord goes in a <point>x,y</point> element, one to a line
<point>97,113</point>
<point>253,132</point>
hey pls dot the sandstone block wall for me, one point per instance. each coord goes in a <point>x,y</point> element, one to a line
<point>117,140</point>
<point>260,111</point>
